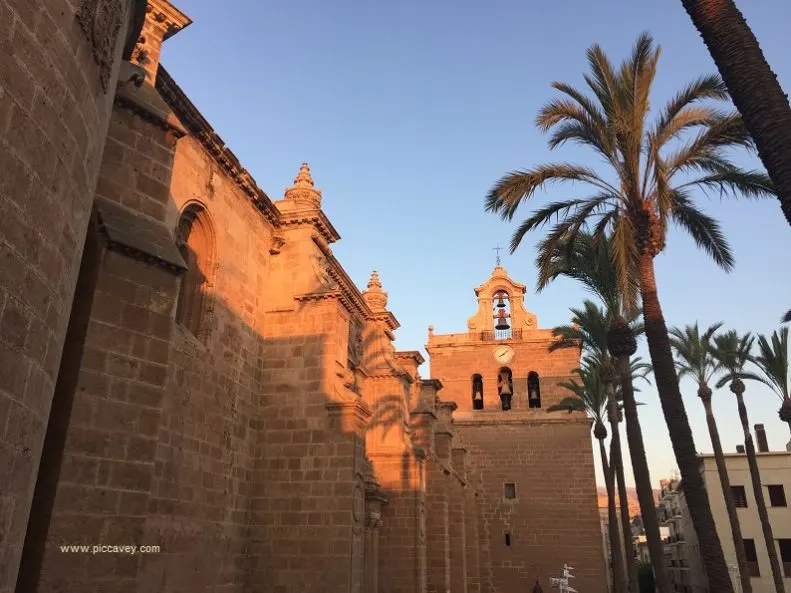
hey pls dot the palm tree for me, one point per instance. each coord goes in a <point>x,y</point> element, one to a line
<point>590,262</point>
<point>589,396</point>
<point>589,330</point>
<point>734,352</point>
<point>755,89</point>
<point>772,359</point>
<point>695,355</point>
<point>637,208</point>
<point>787,317</point>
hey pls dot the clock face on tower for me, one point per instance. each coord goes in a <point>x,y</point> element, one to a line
<point>503,354</point>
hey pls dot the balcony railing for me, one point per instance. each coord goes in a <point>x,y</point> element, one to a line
<point>498,334</point>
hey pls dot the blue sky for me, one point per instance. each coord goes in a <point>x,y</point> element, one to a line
<point>408,112</point>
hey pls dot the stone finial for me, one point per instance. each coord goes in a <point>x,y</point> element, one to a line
<point>304,189</point>
<point>374,295</point>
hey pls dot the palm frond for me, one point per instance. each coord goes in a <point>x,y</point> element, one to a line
<point>705,231</point>
<point>734,352</point>
<point>514,188</point>
<point>772,359</point>
<point>672,118</point>
<point>695,352</point>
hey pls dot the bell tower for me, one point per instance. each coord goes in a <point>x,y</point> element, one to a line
<point>501,307</point>
<point>532,469</point>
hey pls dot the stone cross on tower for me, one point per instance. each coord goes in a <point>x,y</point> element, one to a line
<point>498,249</point>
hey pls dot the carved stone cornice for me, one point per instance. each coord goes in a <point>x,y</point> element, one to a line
<point>436,384</point>
<point>353,414</point>
<point>351,297</point>
<point>307,217</point>
<point>168,17</point>
<point>410,355</point>
<point>197,125</point>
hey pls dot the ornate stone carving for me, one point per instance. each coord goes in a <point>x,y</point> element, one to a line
<point>358,503</point>
<point>304,189</point>
<point>355,342</point>
<point>323,271</point>
<point>374,295</point>
<point>101,22</point>
<point>277,244</point>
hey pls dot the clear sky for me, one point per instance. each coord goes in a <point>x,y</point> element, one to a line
<point>408,111</point>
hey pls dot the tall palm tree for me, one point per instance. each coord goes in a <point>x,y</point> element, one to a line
<point>636,207</point>
<point>755,89</point>
<point>590,397</point>
<point>734,352</point>
<point>787,317</point>
<point>590,262</point>
<point>589,330</point>
<point>772,359</point>
<point>695,355</point>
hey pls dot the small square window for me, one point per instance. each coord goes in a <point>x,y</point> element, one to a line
<point>739,496</point>
<point>777,495</point>
<point>510,491</point>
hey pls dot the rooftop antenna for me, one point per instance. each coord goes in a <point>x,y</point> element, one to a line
<point>498,249</point>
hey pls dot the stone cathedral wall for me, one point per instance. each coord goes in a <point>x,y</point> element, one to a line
<point>57,75</point>
<point>185,364</point>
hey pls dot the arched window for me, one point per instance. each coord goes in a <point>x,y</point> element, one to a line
<point>533,390</point>
<point>477,392</point>
<point>505,387</point>
<point>195,241</point>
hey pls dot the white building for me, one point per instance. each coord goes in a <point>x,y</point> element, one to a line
<point>682,552</point>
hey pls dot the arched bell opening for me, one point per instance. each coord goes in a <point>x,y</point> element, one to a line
<point>502,315</point>
<point>505,387</point>
<point>477,392</point>
<point>533,390</point>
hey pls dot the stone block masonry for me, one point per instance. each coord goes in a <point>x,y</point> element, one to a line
<point>185,365</point>
<point>54,111</point>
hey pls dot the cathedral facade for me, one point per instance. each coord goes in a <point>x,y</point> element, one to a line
<point>195,396</point>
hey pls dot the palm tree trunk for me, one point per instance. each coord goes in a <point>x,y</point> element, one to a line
<point>680,433</point>
<point>758,490</point>
<point>753,86</point>
<point>626,531</point>
<point>616,561</point>
<point>725,483</point>
<point>642,478</point>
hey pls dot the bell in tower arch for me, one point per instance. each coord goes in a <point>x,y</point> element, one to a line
<point>502,320</point>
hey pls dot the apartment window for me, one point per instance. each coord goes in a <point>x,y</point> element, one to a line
<point>510,491</point>
<point>785,555</point>
<point>752,557</point>
<point>777,496</point>
<point>739,496</point>
<point>508,539</point>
